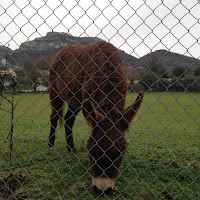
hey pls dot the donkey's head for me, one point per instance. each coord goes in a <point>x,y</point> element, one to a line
<point>107,143</point>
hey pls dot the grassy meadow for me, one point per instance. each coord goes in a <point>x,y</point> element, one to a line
<point>161,162</point>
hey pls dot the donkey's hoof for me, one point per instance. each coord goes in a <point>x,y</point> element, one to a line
<point>50,145</point>
<point>72,150</point>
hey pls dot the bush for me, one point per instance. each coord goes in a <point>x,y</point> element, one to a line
<point>179,71</point>
<point>149,80</point>
<point>163,85</point>
<point>137,87</point>
<point>196,71</point>
<point>188,83</point>
<point>191,84</point>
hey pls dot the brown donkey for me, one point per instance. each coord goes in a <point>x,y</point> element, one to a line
<point>92,77</point>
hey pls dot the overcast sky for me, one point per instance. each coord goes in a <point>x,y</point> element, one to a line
<point>135,26</point>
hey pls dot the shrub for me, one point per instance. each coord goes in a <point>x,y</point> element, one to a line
<point>189,83</point>
<point>137,87</point>
<point>149,80</point>
<point>196,71</point>
<point>179,71</point>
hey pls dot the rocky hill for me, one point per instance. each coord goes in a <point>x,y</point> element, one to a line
<point>47,46</point>
<point>170,59</point>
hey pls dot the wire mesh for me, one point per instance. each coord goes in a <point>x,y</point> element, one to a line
<point>155,48</point>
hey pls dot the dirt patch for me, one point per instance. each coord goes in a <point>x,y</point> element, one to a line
<point>10,183</point>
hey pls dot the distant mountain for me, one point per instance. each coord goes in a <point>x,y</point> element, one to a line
<point>170,59</point>
<point>128,60</point>
<point>47,47</point>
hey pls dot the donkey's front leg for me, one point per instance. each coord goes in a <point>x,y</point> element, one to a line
<point>69,121</point>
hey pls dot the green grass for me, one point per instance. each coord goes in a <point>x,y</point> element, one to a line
<point>162,160</point>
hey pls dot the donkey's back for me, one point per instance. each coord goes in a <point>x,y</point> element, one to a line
<point>87,71</point>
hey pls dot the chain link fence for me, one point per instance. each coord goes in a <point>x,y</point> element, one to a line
<point>155,156</point>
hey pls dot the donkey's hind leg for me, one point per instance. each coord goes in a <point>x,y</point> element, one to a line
<point>57,109</point>
<point>69,121</point>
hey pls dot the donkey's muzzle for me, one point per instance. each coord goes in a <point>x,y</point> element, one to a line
<point>103,186</point>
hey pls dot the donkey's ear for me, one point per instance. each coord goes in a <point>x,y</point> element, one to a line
<point>90,113</point>
<point>131,112</point>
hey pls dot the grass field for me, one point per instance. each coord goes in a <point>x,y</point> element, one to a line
<point>162,160</point>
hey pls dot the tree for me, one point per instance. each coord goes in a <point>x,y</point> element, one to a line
<point>44,79</point>
<point>132,74</point>
<point>154,63</point>
<point>14,83</point>
<point>196,71</point>
<point>148,79</point>
<point>1,83</point>
<point>43,64</point>
<point>3,77</point>
<point>27,74</point>
<point>179,71</point>
<point>3,68</point>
